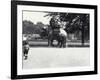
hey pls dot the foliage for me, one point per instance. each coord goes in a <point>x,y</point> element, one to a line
<point>75,22</point>
<point>31,28</point>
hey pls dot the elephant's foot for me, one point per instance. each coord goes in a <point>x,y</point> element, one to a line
<point>64,46</point>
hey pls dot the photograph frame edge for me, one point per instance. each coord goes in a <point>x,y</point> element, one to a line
<point>14,41</point>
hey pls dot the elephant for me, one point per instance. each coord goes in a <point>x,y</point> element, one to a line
<point>59,35</point>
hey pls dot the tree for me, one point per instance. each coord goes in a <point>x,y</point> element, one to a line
<point>75,22</point>
<point>28,27</point>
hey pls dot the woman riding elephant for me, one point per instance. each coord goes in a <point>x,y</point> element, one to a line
<point>57,32</point>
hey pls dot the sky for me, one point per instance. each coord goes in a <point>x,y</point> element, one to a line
<point>35,17</point>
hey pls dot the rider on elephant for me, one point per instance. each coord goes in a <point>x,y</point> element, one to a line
<point>55,22</point>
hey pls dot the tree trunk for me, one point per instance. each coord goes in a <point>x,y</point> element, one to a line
<point>82,35</point>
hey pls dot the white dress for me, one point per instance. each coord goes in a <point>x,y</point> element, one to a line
<point>63,32</point>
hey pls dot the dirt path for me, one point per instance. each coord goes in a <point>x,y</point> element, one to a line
<point>56,57</point>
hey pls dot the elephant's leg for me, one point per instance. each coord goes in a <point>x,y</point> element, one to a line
<point>52,42</point>
<point>64,41</point>
<point>48,42</point>
<point>58,43</point>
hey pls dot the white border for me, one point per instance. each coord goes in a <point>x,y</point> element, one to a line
<point>21,71</point>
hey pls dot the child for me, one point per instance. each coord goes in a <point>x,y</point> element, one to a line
<point>25,48</point>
